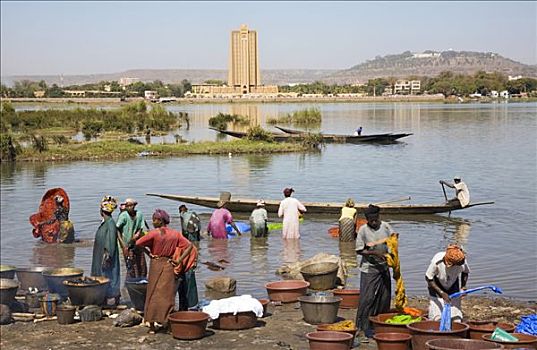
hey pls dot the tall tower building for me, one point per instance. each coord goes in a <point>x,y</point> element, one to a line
<point>244,60</point>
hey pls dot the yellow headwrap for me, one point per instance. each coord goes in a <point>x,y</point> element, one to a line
<point>108,204</point>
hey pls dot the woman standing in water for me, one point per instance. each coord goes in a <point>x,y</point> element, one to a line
<point>105,260</point>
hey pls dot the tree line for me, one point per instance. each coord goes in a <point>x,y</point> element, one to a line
<point>28,88</point>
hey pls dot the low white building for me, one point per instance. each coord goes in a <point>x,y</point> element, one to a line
<point>504,94</point>
<point>494,94</point>
<point>150,95</point>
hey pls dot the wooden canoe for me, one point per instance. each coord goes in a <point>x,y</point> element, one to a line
<point>328,138</point>
<point>244,205</point>
<point>300,132</point>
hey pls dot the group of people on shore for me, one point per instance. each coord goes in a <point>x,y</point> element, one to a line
<point>173,258</point>
<point>173,254</point>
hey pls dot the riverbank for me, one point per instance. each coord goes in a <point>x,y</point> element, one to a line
<point>104,150</point>
<point>284,328</point>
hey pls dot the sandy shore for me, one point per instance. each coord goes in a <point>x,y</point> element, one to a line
<point>284,328</point>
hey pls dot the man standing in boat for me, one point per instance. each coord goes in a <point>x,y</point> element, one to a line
<point>461,191</point>
<point>375,282</point>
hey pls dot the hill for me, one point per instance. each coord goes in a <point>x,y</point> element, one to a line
<point>431,63</point>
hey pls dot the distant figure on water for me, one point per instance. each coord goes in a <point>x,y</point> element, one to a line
<point>358,132</point>
<point>461,191</point>
<point>347,222</point>
<point>258,220</point>
<point>105,261</point>
<point>442,278</point>
<point>221,217</point>
<point>130,225</point>
<point>190,224</point>
<point>52,223</point>
<point>291,209</point>
<point>375,282</point>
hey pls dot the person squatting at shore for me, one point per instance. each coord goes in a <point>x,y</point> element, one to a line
<point>442,278</point>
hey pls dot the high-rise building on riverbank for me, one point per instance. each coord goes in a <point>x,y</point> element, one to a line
<point>244,76</point>
<point>243,59</point>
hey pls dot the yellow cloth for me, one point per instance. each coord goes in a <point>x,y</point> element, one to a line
<point>347,212</point>
<point>392,259</point>
<point>346,325</point>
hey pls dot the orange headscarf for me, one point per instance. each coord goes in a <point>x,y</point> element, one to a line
<point>454,255</point>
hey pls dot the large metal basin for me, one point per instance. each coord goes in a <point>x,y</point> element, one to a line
<point>321,276</point>
<point>55,278</point>
<point>8,290</point>
<point>7,271</point>
<point>319,309</point>
<point>83,294</point>
<point>32,277</point>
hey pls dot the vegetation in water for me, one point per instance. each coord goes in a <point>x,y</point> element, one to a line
<point>221,120</point>
<point>257,133</point>
<point>309,117</point>
<point>124,149</point>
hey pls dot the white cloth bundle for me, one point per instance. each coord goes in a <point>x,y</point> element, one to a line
<point>241,303</point>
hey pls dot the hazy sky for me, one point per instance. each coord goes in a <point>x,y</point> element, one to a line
<point>106,37</point>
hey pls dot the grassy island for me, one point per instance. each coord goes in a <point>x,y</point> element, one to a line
<point>101,150</point>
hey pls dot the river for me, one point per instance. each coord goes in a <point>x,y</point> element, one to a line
<point>491,146</point>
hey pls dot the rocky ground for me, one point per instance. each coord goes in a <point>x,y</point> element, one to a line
<point>284,328</point>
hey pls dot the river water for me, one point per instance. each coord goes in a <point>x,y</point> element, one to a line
<point>491,146</point>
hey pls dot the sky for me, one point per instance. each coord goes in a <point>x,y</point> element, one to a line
<point>48,38</point>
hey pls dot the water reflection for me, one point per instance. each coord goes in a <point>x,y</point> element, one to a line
<point>40,174</point>
<point>258,253</point>
<point>10,171</point>
<point>53,255</point>
<point>258,162</point>
<point>218,249</point>
<point>347,253</point>
<point>291,250</point>
<point>462,232</point>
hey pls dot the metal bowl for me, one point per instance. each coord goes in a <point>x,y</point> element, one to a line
<point>319,309</point>
<point>7,271</point>
<point>321,276</point>
<point>32,277</point>
<point>55,278</point>
<point>87,294</point>
<point>8,290</point>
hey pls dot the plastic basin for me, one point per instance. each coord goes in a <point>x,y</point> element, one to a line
<point>319,309</point>
<point>321,276</point>
<point>524,341</point>
<point>427,330</point>
<point>32,277</point>
<point>461,344</point>
<point>265,303</point>
<point>286,291</point>
<point>324,328</point>
<point>329,340</point>
<point>480,328</point>
<point>350,298</point>
<point>8,290</point>
<point>380,325</point>
<point>188,325</point>
<point>392,341</point>
<point>242,320</point>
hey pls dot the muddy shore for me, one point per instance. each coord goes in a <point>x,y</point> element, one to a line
<point>284,328</point>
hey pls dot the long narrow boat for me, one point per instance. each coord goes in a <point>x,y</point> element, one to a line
<point>247,205</point>
<point>301,132</point>
<point>328,138</point>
